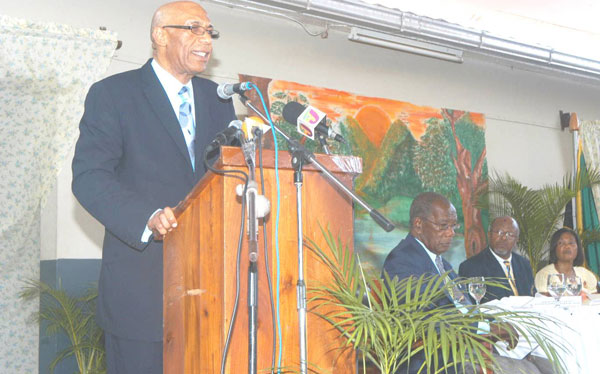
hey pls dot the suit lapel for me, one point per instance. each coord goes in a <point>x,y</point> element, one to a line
<point>425,259</point>
<point>202,119</point>
<point>208,122</point>
<point>159,102</point>
<point>495,268</point>
<point>520,272</point>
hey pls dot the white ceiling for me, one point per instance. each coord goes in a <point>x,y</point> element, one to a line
<point>571,27</point>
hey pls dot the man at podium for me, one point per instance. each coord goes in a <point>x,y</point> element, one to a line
<point>140,151</point>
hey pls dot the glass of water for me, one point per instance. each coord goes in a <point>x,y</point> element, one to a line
<point>573,285</point>
<point>557,286</point>
<point>477,288</point>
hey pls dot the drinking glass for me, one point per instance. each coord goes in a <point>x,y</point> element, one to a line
<point>477,288</point>
<point>573,285</point>
<point>556,286</point>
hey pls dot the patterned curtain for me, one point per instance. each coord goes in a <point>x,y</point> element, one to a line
<point>45,71</point>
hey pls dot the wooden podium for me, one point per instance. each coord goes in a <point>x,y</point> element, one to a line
<point>200,269</point>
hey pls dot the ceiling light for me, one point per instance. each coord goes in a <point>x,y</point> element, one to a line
<point>405,45</point>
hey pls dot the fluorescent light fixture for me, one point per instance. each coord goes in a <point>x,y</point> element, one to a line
<point>405,45</point>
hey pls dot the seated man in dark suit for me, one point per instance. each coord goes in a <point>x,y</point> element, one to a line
<point>498,261</point>
<point>433,222</point>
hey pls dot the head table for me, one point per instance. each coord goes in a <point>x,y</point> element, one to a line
<point>575,327</point>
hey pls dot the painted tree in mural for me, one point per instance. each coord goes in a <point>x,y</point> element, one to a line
<point>471,183</point>
<point>432,160</point>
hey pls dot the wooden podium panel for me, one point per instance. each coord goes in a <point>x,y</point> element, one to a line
<point>200,268</point>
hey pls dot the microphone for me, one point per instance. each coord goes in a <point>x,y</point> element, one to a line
<point>227,90</point>
<point>226,136</point>
<point>252,125</point>
<point>309,120</point>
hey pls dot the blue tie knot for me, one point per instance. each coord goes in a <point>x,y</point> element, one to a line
<point>184,94</point>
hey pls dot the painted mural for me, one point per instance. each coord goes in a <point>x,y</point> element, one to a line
<point>406,149</point>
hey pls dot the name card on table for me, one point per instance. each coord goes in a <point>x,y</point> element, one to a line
<point>565,301</point>
<point>594,299</point>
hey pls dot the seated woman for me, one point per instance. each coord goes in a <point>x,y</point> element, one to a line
<point>566,257</point>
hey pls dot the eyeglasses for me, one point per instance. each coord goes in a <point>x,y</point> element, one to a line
<point>502,233</point>
<point>445,227</point>
<point>196,29</point>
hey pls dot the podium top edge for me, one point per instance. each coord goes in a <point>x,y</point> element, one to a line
<point>232,156</point>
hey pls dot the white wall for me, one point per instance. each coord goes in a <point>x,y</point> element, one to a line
<point>521,105</point>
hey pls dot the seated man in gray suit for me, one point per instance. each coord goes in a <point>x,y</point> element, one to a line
<point>498,261</point>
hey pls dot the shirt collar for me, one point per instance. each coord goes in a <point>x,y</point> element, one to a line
<point>431,255</point>
<point>172,86</point>
<point>169,82</point>
<point>500,259</point>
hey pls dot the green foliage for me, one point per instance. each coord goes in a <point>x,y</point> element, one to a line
<point>399,321</point>
<point>432,159</point>
<point>538,212</point>
<point>73,317</point>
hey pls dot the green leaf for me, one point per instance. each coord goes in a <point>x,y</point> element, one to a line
<point>401,319</point>
<point>73,317</point>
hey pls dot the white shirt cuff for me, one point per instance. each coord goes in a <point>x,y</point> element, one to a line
<point>147,232</point>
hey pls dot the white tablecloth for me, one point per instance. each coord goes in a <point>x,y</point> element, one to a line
<point>580,333</point>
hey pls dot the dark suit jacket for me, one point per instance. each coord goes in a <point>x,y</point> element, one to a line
<point>131,159</point>
<point>484,264</point>
<point>409,259</point>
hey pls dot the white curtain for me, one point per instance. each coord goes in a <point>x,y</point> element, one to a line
<point>45,71</point>
<point>590,134</point>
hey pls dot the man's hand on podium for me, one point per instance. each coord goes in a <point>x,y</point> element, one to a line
<point>162,222</point>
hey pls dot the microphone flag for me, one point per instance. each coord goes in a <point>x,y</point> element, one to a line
<point>308,121</point>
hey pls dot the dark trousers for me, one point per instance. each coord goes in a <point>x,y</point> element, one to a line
<point>127,356</point>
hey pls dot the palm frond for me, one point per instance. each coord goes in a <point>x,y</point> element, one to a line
<point>72,317</point>
<point>538,212</point>
<point>402,320</point>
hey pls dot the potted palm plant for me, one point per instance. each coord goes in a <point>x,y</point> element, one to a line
<point>537,211</point>
<point>389,325</point>
<point>75,318</point>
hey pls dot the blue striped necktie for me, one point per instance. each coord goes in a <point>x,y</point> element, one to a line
<point>186,121</point>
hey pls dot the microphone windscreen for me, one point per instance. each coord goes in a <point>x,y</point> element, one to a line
<point>291,112</point>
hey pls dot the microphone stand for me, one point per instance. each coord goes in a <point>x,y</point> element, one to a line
<point>249,150</point>
<point>300,155</point>
<point>324,144</point>
<point>297,163</point>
